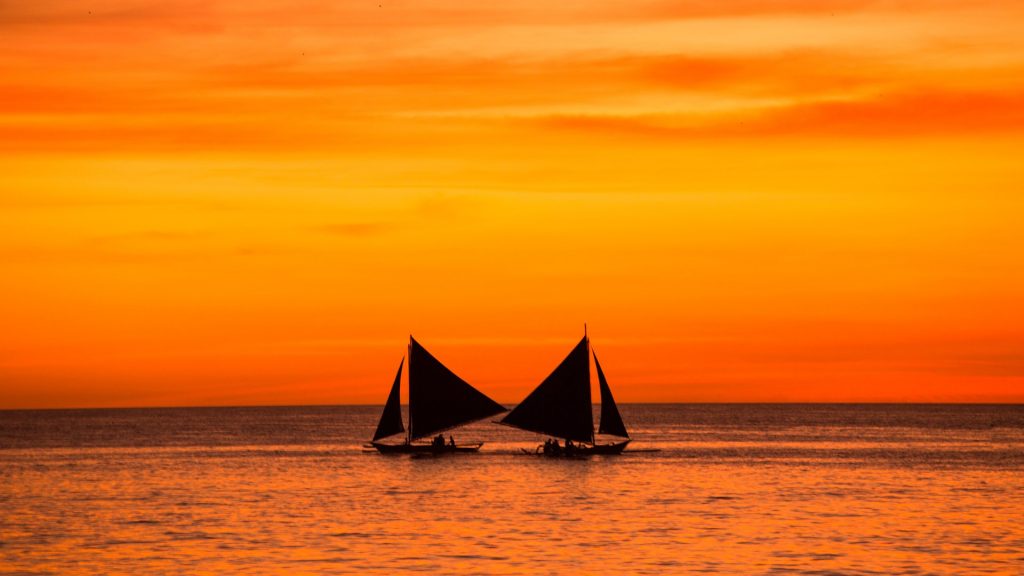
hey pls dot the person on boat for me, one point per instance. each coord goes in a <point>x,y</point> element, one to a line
<point>555,448</point>
<point>451,441</point>
<point>439,441</point>
<point>569,446</point>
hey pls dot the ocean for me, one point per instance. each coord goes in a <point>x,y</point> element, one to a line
<point>730,489</point>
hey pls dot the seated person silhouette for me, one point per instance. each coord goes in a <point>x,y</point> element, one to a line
<point>554,448</point>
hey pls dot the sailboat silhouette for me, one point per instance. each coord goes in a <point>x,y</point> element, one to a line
<point>438,401</point>
<point>560,406</point>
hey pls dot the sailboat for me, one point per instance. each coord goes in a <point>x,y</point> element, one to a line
<point>560,407</point>
<point>438,401</point>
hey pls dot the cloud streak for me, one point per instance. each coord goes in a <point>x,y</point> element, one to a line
<point>892,115</point>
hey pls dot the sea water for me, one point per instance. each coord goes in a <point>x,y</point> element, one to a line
<point>731,489</point>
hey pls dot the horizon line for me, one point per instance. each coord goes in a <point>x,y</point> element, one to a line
<point>700,403</point>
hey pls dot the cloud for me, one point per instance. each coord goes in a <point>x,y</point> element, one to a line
<point>450,14</point>
<point>357,229</point>
<point>926,113</point>
<point>691,9</point>
<point>146,236</point>
<point>423,208</point>
<point>439,205</point>
<point>786,73</point>
<point>135,76</point>
<point>400,103</point>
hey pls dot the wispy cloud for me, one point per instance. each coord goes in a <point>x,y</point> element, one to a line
<point>901,114</point>
<point>357,229</point>
<point>134,76</point>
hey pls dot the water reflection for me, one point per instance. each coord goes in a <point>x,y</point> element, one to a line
<point>812,496</point>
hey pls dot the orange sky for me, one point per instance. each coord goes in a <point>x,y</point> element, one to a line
<point>254,202</point>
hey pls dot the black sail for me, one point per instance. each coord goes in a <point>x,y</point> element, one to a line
<point>391,418</point>
<point>611,421</point>
<point>560,405</point>
<point>438,399</point>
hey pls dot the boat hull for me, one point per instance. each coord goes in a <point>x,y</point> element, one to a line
<point>425,448</point>
<point>614,448</point>
<point>595,450</point>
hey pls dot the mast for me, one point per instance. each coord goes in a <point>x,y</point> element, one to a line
<point>408,432</point>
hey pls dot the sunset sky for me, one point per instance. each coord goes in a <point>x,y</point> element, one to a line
<point>251,202</point>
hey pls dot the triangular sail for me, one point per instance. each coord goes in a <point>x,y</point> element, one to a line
<point>391,418</point>
<point>560,405</point>
<point>611,421</point>
<point>438,399</point>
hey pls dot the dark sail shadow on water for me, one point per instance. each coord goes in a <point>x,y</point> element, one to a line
<point>438,401</point>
